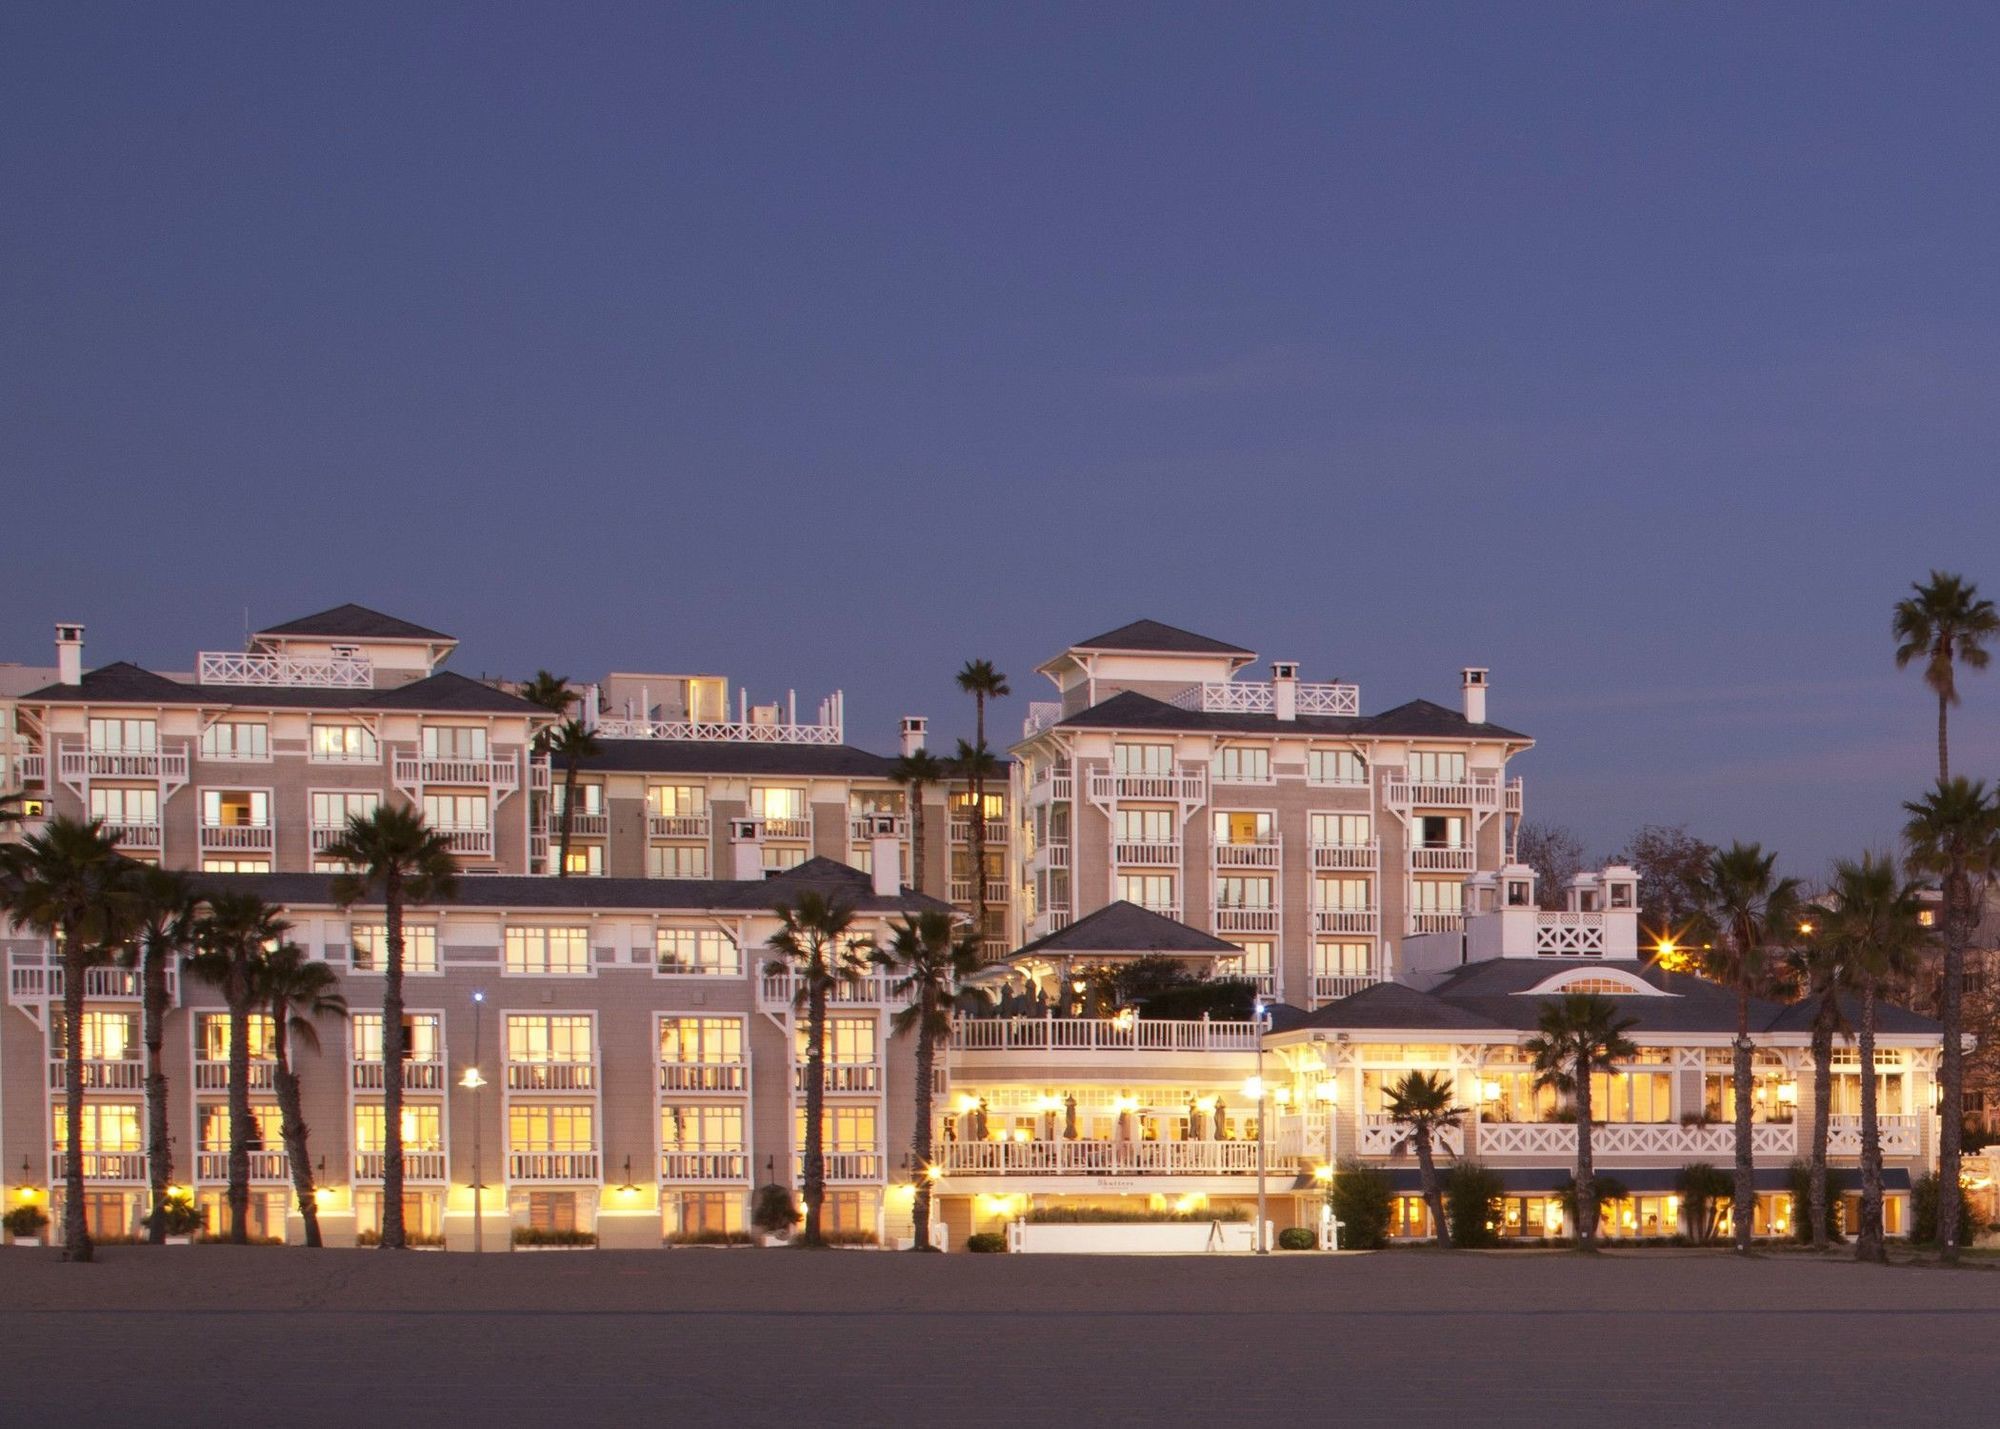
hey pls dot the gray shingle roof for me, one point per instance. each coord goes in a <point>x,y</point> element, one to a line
<point>443,693</point>
<point>1153,635</point>
<point>1124,927</point>
<point>720,756</point>
<point>447,693</point>
<point>1392,1006</point>
<point>1419,719</point>
<point>121,682</point>
<point>355,622</point>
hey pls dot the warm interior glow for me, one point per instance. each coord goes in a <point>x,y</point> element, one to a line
<point>1253,1088</point>
<point>967,1102</point>
<point>1322,1172</point>
<point>1327,1092</point>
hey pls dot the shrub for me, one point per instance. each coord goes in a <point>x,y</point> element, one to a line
<point>180,1216</point>
<point>1120,1215</point>
<point>416,1240</point>
<point>711,1238</point>
<point>1607,1189</point>
<point>1363,1202</point>
<point>1472,1205</point>
<point>987,1243</point>
<point>1297,1238</point>
<point>848,1237</point>
<point>534,1235</point>
<point>1223,1000</point>
<point>1704,1190</point>
<point>774,1212</point>
<point>25,1221</point>
<point>1924,1211</point>
<point>1798,1179</point>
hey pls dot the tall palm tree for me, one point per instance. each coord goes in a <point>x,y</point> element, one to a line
<point>1874,918</point>
<point>394,851</point>
<point>1581,1034</point>
<point>932,960</point>
<point>1421,1102</point>
<point>69,883</point>
<point>1821,968</point>
<point>297,991</point>
<point>232,940</point>
<point>167,912</point>
<point>1942,623</point>
<point>915,772</point>
<point>983,682</point>
<point>573,744</point>
<point>975,764</point>
<point>814,943</point>
<point>1953,835</point>
<point>555,694</point>
<point>1753,910</point>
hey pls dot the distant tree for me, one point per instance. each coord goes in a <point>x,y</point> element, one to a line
<point>1943,623</point>
<point>1580,1035</point>
<point>915,772</point>
<point>1555,854</point>
<point>1671,864</point>
<point>981,680</point>
<point>295,991</point>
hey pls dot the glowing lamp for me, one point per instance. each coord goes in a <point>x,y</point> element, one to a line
<point>1282,1096</point>
<point>1322,1173</point>
<point>1489,1090</point>
<point>967,1102</point>
<point>1328,1092</point>
<point>1788,1092</point>
<point>472,1081</point>
<point>1253,1088</point>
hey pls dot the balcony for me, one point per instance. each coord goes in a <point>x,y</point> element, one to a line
<point>1051,785</point>
<point>1330,987</point>
<point>417,1076</point>
<point>553,1166</point>
<point>1449,858</point>
<point>1051,918</point>
<point>776,991</point>
<point>1051,855</point>
<point>497,772</point>
<point>80,765</point>
<point>264,1166</point>
<point>1249,855</point>
<point>1102,1158</point>
<point>788,829</point>
<point>1347,920</point>
<point>1569,935</point>
<point>1899,1135</point>
<point>238,838</point>
<point>323,835</point>
<point>1337,858</point>
<point>1383,1135</point>
<point>704,1076</point>
<point>962,890</point>
<point>677,826</point>
<point>31,768</point>
<point>1146,855</point>
<point>417,1165</point>
<point>843,1077</point>
<point>551,1076</point>
<point>1714,1142</point>
<point>1236,918</point>
<point>468,840</point>
<point>1188,787</point>
<point>996,832</point>
<point>845,1165</point>
<point>861,829</point>
<point>583,824</point>
<point>213,1076</point>
<point>331,672</point>
<point>705,1165</point>
<point>1253,697</point>
<point>1478,791</point>
<point>100,1165</point>
<point>99,1075</point>
<point>743,730</point>
<point>1431,921</point>
<point>135,836</point>
<point>34,984</point>
<point>1100,1034</point>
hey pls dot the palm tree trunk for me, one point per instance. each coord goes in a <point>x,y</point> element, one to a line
<point>1428,1178</point>
<point>159,1150</point>
<point>1586,1171</point>
<point>297,1153</point>
<point>241,1127</point>
<point>1743,1205</point>
<point>1869,1245</point>
<point>76,1233</point>
<point>1944,742</point>
<point>815,1147</point>
<point>570,767</point>
<point>917,835</point>
<point>1822,1051</point>
<point>392,1063</point>
<point>920,1139</point>
<point>1951,1096</point>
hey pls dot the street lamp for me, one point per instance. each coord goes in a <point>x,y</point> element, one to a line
<point>472,1081</point>
<point>1254,1089</point>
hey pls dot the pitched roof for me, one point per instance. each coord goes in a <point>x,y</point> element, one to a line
<point>1124,927</point>
<point>723,756</point>
<point>448,693</point>
<point>513,891</point>
<point>1394,1006</point>
<point>1154,636</point>
<point>121,682</point>
<point>124,683</point>
<point>1418,719</point>
<point>355,622</point>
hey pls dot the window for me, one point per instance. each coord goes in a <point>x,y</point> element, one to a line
<point>458,812</point>
<point>843,1127</point>
<point>1149,890</point>
<point>550,1037</point>
<point>270,1128</point>
<point>706,952</point>
<point>343,744</point>
<point>1432,766</point>
<point>862,802</point>
<point>849,1212</point>
<point>677,861</point>
<point>236,808</point>
<point>1259,959</point>
<point>1516,1098</point>
<point>107,1036</point>
<point>551,1127</point>
<point>779,857</point>
<point>1146,826</point>
<point>586,859</point>
<point>1342,830</point>
<point>1238,764</point>
<point>235,865</point>
<point>423,1216</point>
<point>692,1214</point>
<point>1435,895</point>
<point>770,802</point>
<point>589,800</point>
<point>1238,892</point>
<point>701,1126</point>
<point>212,1037</point>
<point>332,808</point>
<point>423,1037</point>
<point>850,1041</point>
<point>1230,827</point>
<point>1335,766</point>
<point>124,736</point>
<point>1773,1094</point>
<point>236,739</point>
<point>454,741</point>
<point>1631,1096</point>
<point>369,943</point>
<point>1440,831</point>
<point>552,1210</point>
<point>707,1041</point>
<point>422,1124</point>
<point>124,806</point>
<point>1330,891</point>
<point>677,801</point>
<point>548,952</point>
<point>1337,958</point>
<point>1145,759</point>
<point>107,1126</point>
<point>996,804</point>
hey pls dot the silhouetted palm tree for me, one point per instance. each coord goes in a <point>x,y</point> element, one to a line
<point>1581,1034</point>
<point>296,991</point>
<point>168,910</point>
<point>932,960</point>
<point>1942,623</point>
<point>232,940</point>
<point>983,682</point>
<point>1421,1102</point>
<point>571,743</point>
<point>1823,971</point>
<point>915,772</point>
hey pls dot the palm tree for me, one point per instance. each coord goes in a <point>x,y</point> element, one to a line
<point>392,849</point>
<point>69,883</point>
<point>1752,909</point>
<point>814,944</point>
<point>975,763</point>
<point>932,960</point>
<point>1823,971</point>
<point>296,992</point>
<point>914,772</point>
<point>574,744</point>
<point>1874,919</point>
<point>983,682</point>
<point>1953,834</point>
<point>232,940</point>
<point>1944,622</point>
<point>167,914</point>
<point>1581,1034</point>
<point>554,694</point>
<point>1421,1101</point>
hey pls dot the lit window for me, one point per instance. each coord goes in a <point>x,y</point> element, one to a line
<point>677,861</point>
<point>1232,827</point>
<point>236,808</point>
<point>548,952</point>
<point>423,1037</point>
<point>550,1037</point>
<point>343,744</point>
<point>370,943</point>
<point>707,952</point>
<point>236,739</point>
<point>677,801</point>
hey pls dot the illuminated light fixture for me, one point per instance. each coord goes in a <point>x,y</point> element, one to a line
<point>1489,1090</point>
<point>1282,1096</point>
<point>967,1102</point>
<point>1788,1092</point>
<point>933,1172</point>
<point>1253,1088</point>
<point>1327,1091</point>
<point>1806,927</point>
<point>472,1081</point>
<point>1322,1172</point>
<point>1207,1104</point>
<point>629,1188</point>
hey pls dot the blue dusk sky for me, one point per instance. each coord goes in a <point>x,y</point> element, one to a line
<point>1643,353</point>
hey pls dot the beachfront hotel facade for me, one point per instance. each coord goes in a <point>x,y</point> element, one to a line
<point>642,1069</point>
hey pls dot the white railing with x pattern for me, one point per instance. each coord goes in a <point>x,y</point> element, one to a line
<point>332,672</point>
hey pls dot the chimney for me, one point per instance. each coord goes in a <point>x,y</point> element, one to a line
<point>912,740</point>
<point>746,849</point>
<point>69,653</point>
<point>1472,681</point>
<point>1285,689</point>
<point>885,852</point>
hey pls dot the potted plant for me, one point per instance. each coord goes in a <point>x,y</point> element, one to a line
<point>25,1224</point>
<point>181,1219</point>
<point>774,1214</point>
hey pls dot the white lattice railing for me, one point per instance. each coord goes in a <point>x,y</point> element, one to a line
<point>1558,1138</point>
<point>1899,1135</point>
<point>728,731</point>
<point>1254,697</point>
<point>1383,1135</point>
<point>1103,1158</point>
<point>1101,1034</point>
<point>1041,715</point>
<point>228,667</point>
<point>1569,934</point>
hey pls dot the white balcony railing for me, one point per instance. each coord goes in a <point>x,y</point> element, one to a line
<point>1147,855</point>
<point>1382,1135</point>
<point>997,832</point>
<point>1569,935</point>
<point>1188,787</point>
<point>677,826</point>
<point>1104,1158</point>
<point>1338,857</point>
<point>1240,919</point>
<point>704,1076</point>
<point>1254,697</point>
<point>495,772</point>
<point>1557,1138</point>
<point>845,1165</point>
<point>264,1166</point>
<point>583,824</point>
<point>1329,987</point>
<point>239,838</point>
<point>1051,783</point>
<point>1250,855</point>
<point>79,764</point>
<point>474,840</point>
<point>1346,920</point>
<point>551,1076</point>
<point>417,1165</point>
<point>1899,1135</point>
<point>776,991</point>
<point>30,984</point>
<point>417,1076</point>
<point>851,1077</point>
<point>553,1166</point>
<point>31,768</point>
<point>1478,790</point>
<point>1101,1034</point>
<point>861,828</point>
<point>996,890</point>
<point>705,1165</point>
<point>1425,921</point>
<point>214,1076</point>
<point>1051,855</point>
<point>134,836</point>
<point>781,828</point>
<point>1456,859</point>
<point>745,730</point>
<point>101,1165</point>
<point>99,1075</point>
<point>229,667</point>
<point>323,835</point>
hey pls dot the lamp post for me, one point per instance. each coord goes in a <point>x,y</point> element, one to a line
<point>472,1081</point>
<point>1260,1013</point>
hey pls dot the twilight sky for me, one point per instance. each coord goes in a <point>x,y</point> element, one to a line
<point>1642,352</point>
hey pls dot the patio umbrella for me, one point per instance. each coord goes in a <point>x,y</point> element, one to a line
<point>1197,1125</point>
<point>979,1121</point>
<point>1220,1116</point>
<point>1069,1116</point>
